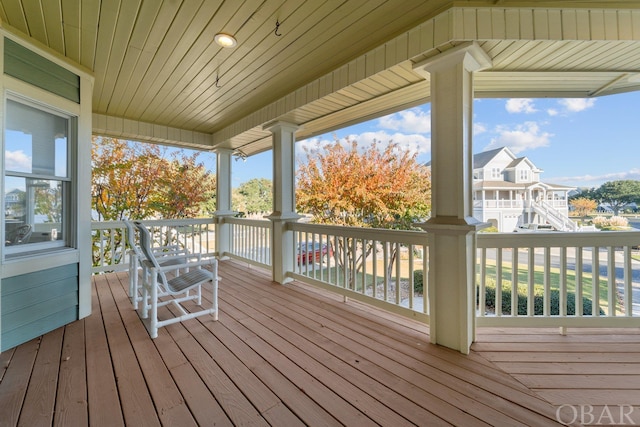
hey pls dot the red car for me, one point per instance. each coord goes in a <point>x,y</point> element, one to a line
<point>312,252</point>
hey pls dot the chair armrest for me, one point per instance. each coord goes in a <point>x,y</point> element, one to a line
<point>167,249</point>
<point>199,263</point>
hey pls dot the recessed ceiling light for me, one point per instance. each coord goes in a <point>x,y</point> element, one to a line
<point>225,40</point>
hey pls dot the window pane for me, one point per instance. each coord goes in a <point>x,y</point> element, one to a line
<point>33,210</point>
<point>35,141</point>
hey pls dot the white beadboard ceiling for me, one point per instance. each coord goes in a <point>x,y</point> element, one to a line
<point>159,77</point>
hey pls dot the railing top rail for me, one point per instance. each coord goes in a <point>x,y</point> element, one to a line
<point>379,234</point>
<point>558,239</point>
<point>105,225</point>
<point>245,221</point>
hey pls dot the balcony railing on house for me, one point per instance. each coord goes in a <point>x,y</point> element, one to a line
<point>523,279</point>
<point>110,247</point>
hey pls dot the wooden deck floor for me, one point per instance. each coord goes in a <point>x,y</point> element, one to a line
<point>290,355</point>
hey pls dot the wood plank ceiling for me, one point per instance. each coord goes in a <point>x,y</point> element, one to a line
<point>321,64</point>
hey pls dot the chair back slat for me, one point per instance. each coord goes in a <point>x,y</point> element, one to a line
<point>131,239</point>
<point>145,246</point>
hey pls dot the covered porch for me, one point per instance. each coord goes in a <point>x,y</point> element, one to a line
<point>295,355</point>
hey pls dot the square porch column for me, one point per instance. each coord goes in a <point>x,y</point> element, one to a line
<point>284,199</point>
<point>452,228</point>
<point>223,201</point>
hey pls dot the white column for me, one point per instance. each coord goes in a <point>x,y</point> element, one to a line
<point>452,228</point>
<point>223,201</point>
<point>284,199</point>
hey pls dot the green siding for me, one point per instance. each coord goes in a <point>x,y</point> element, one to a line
<point>35,303</point>
<point>23,64</point>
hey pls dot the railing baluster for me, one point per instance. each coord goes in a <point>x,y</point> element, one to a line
<point>498,301</point>
<point>547,282</point>
<point>579,305</point>
<point>628,285</point>
<point>562,309</point>
<point>531,283</point>
<point>482,296</point>
<point>514,281</point>
<point>611,281</point>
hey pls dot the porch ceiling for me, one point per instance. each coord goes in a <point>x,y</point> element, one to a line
<point>160,78</point>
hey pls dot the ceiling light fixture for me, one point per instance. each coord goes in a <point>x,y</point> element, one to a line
<point>225,40</point>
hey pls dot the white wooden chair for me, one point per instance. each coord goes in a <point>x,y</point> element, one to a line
<point>184,284</point>
<point>166,255</point>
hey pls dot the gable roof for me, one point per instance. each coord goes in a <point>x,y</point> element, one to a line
<point>480,160</point>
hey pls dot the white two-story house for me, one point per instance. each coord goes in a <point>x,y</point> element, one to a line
<point>508,193</point>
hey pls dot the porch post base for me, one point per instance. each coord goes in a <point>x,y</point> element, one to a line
<point>452,301</point>
<point>282,246</point>
<point>223,233</point>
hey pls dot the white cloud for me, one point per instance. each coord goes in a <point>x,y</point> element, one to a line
<point>479,128</point>
<point>575,105</point>
<point>409,121</point>
<point>414,143</point>
<point>520,105</point>
<point>17,161</point>
<point>522,137</point>
<point>552,112</point>
<point>596,180</point>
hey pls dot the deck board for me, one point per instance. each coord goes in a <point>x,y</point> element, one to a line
<point>295,355</point>
<point>41,394</point>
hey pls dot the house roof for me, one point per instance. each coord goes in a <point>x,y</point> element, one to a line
<point>321,65</point>
<point>480,160</point>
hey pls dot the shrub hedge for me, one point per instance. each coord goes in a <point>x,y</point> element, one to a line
<point>538,304</point>
<point>523,297</point>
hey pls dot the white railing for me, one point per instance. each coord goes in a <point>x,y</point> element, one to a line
<point>110,247</point>
<point>558,279</point>
<point>495,204</point>
<point>386,268</point>
<point>544,274</point>
<point>250,240</point>
<point>554,217</point>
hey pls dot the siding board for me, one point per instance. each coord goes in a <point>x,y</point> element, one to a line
<point>35,303</point>
<point>25,65</point>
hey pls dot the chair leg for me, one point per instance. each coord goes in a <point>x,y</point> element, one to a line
<point>153,318</point>
<point>145,293</point>
<point>133,280</point>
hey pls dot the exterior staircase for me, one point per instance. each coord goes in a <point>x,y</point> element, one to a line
<point>554,217</point>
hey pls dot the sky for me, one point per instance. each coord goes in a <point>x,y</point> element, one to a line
<point>576,142</point>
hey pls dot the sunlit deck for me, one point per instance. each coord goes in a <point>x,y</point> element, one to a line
<point>291,355</point>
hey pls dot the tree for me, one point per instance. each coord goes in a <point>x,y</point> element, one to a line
<point>123,178</point>
<point>370,187</point>
<point>381,188</point>
<point>617,194</point>
<point>136,181</point>
<point>254,196</point>
<point>184,188</point>
<point>583,206</point>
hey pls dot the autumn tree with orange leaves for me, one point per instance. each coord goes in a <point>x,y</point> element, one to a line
<point>137,181</point>
<point>379,186</point>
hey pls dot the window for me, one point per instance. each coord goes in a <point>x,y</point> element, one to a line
<point>495,173</point>
<point>524,175</point>
<point>37,179</point>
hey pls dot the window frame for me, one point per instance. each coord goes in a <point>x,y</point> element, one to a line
<point>68,183</point>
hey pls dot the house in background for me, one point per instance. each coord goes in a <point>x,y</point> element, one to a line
<point>508,193</point>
